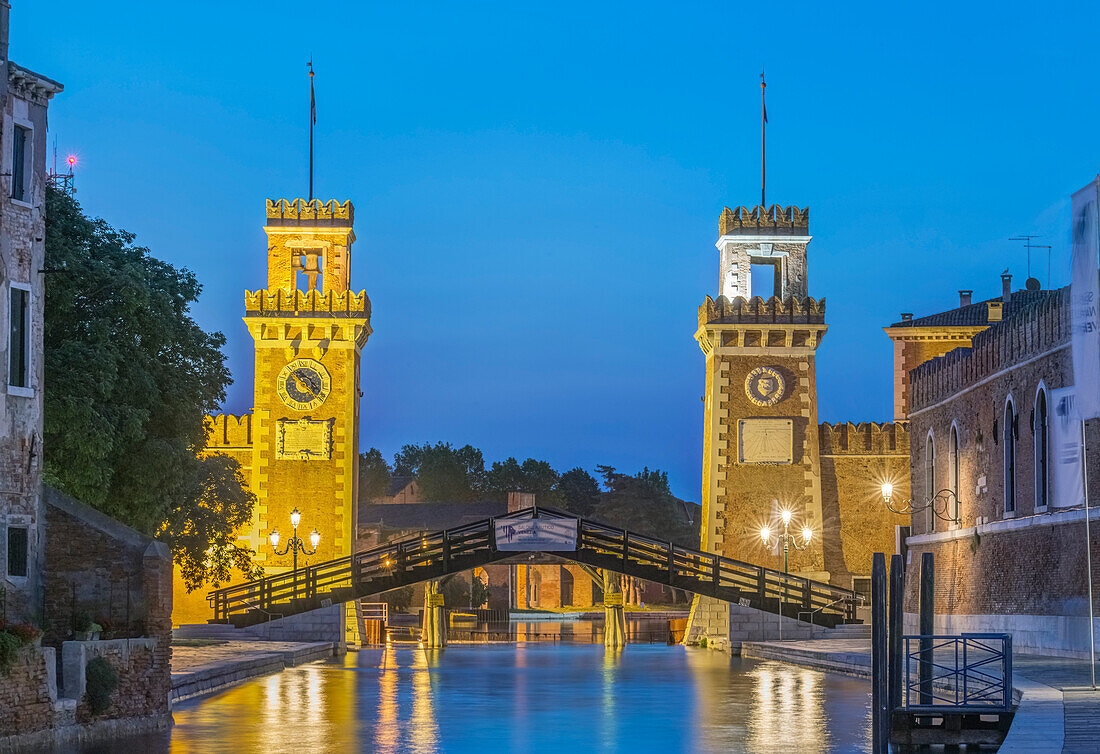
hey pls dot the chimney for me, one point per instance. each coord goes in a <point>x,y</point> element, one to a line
<point>964,297</point>
<point>1006,287</point>
<point>906,316</point>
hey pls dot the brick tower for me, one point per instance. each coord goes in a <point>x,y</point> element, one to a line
<point>299,446</point>
<point>760,436</point>
<point>308,330</point>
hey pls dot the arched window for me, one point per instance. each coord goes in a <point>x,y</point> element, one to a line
<point>1009,444</point>
<point>953,471</point>
<point>930,488</point>
<point>1042,450</point>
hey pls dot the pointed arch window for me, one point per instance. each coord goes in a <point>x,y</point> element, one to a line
<point>953,471</point>
<point>930,488</point>
<point>1008,442</point>
<point>1042,450</point>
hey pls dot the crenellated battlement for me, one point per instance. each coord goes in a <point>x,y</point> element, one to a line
<point>1028,332</point>
<point>327,303</point>
<point>299,212</point>
<point>764,221</point>
<point>756,310</point>
<point>864,438</point>
<point>228,431</point>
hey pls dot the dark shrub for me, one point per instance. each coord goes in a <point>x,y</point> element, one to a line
<point>100,682</point>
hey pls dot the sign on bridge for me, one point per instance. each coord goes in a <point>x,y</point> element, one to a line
<point>541,534</point>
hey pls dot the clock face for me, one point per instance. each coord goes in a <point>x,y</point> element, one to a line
<point>304,384</point>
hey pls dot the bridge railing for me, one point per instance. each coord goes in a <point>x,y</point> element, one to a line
<point>436,554</point>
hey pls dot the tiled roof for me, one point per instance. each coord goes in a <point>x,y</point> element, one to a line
<point>398,483</point>
<point>976,315</point>
<point>427,516</point>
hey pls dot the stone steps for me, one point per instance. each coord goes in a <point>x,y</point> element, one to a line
<point>213,631</point>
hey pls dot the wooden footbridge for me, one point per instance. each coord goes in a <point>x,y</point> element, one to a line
<point>517,535</point>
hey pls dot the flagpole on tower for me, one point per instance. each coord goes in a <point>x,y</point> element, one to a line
<point>312,120</point>
<point>763,126</point>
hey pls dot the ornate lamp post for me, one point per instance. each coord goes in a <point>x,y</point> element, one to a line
<point>945,498</point>
<point>295,543</point>
<point>788,541</point>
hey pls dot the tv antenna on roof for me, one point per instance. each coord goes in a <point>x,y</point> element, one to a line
<point>1026,238</point>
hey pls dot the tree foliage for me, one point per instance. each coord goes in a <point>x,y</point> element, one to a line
<point>579,491</point>
<point>445,473</point>
<point>130,378</point>
<point>374,475</point>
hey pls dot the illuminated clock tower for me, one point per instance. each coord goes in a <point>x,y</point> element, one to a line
<point>309,330</point>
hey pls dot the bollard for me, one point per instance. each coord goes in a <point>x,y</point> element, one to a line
<point>927,578</point>
<point>880,718</point>
<point>894,630</point>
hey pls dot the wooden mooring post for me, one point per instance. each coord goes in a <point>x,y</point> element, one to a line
<point>895,619</point>
<point>927,578</point>
<point>880,714</point>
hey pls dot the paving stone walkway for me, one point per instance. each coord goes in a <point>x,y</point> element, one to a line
<point>207,667</point>
<point>1058,710</point>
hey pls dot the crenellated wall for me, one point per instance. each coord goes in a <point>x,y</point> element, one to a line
<point>229,431</point>
<point>856,459</point>
<point>1026,333</point>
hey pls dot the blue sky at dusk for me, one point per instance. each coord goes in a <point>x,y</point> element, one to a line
<point>537,187</point>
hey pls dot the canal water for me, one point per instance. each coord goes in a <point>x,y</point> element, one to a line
<point>527,698</point>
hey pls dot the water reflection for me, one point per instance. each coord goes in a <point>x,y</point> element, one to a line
<point>528,698</point>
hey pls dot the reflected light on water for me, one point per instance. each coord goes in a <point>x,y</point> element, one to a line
<point>786,711</point>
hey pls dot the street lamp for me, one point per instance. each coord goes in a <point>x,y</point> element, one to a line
<point>295,543</point>
<point>948,498</point>
<point>788,541</point>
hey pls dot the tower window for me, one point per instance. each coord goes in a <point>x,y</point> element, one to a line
<point>1042,452</point>
<point>953,469</point>
<point>1009,445</point>
<point>17,551</point>
<point>19,337</point>
<point>19,148</point>
<point>930,480</point>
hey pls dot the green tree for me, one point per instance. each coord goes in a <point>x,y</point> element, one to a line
<point>374,476</point>
<point>130,378</point>
<point>580,493</point>
<point>445,473</point>
<point>644,503</point>
<point>534,476</point>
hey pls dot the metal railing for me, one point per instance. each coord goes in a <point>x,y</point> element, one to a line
<point>961,673</point>
<point>430,556</point>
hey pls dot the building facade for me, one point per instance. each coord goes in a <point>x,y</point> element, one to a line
<point>298,448</point>
<point>24,99</point>
<point>989,423</point>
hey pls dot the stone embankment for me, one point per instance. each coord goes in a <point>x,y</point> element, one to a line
<point>206,666</point>
<point>1057,710</point>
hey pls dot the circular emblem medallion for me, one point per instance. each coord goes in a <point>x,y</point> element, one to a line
<point>304,384</point>
<point>764,386</point>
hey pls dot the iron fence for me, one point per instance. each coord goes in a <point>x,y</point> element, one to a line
<point>960,673</point>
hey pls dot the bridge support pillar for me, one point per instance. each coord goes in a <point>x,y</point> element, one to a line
<point>434,628</point>
<point>614,622</point>
<point>709,619</point>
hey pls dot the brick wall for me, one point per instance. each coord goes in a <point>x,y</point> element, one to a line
<point>856,459</point>
<point>25,695</point>
<point>96,564</point>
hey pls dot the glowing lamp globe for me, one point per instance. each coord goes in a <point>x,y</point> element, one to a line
<point>274,538</point>
<point>887,491</point>
<point>807,534</point>
<point>314,538</point>
<point>765,534</point>
<point>786,514</point>
<point>295,518</point>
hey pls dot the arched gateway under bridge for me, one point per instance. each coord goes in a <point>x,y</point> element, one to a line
<point>516,536</point>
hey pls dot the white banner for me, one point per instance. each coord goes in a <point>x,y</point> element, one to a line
<point>538,534</point>
<point>1084,298</point>
<point>1067,486</point>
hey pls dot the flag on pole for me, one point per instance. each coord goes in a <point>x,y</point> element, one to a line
<point>762,87</point>
<point>312,99</point>
<point>1084,299</point>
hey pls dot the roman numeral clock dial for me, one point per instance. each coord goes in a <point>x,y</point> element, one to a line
<point>304,384</point>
